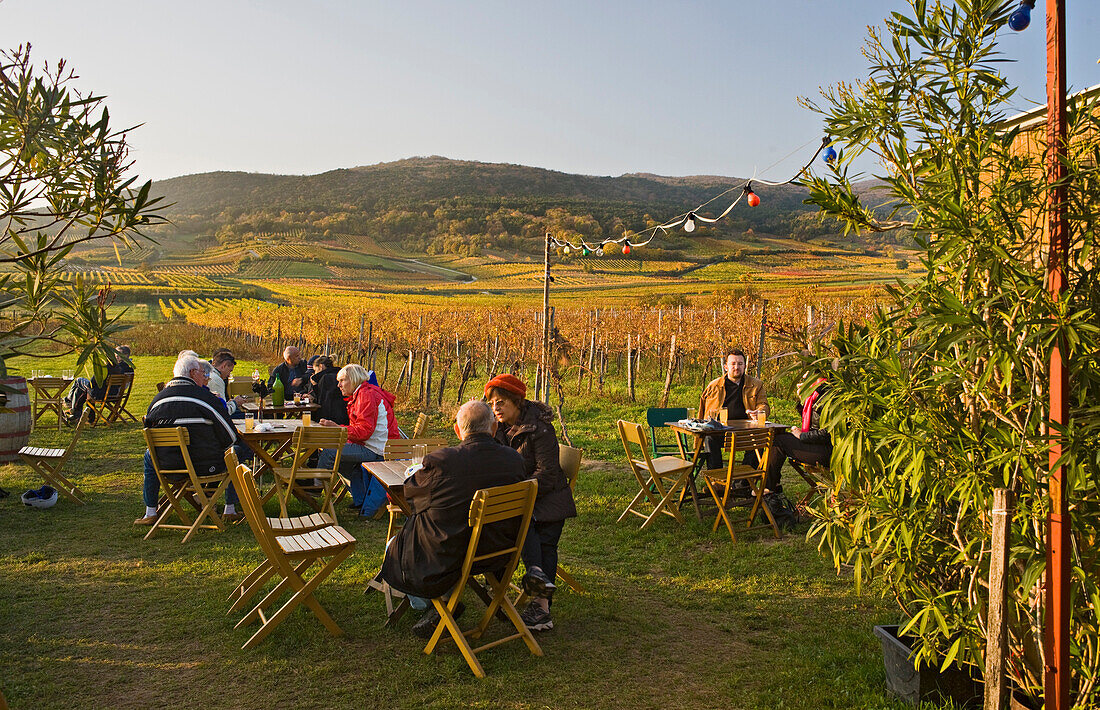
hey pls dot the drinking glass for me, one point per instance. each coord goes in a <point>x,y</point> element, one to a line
<point>307,418</point>
<point>418,454</point>
<point>297,399</point>
<point>249,422</point>
<point>724,416</point>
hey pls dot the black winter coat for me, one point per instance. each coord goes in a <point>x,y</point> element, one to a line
<point>815,434</point>
<point>183,403</point>
<point>533,437</point>
<point>425,558</point>
<point>326,392</point>
<point>286,373</point>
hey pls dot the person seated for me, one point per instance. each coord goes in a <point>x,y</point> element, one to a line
<point>83,388</point>
<point>185,401</point>
<point>291,372</point>
<point>806,444</point>
<point>223,363</point>
<point>424,560</point>
<point>528,427</point>
<point>371,422</point>
<point>739,394</point>
<point>326,392</point>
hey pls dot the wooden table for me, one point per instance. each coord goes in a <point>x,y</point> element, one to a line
<point>391,474</point>
<point>49,393</point>
<point>280,438</point>
<point>697,458</point>
<point>289,409</point>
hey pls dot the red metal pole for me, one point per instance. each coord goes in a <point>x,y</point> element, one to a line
<point>1056,682</point>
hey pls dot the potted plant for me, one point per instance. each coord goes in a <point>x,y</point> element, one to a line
<point>64,183</point>
<point>941,397</point>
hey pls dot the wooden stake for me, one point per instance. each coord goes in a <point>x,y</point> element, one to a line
<point>668,373</point>
<point>996,647</point>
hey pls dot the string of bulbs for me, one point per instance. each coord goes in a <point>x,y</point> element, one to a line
<point>691,219</point>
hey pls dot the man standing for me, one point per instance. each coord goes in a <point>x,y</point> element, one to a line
<point>736,392</point>
<point>424,560</point>
<point>185,401</point>
<point>292,372</point>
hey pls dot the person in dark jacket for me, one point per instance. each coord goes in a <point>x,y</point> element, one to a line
<point>528,427</point>
<point>424,560</point>
<point>293,373</point>
<point>325,391</point>
<point>185,401</point>
<point>84,389</point>
<point>808,444</point>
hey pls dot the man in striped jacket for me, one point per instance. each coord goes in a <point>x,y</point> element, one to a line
<point>186,402</point>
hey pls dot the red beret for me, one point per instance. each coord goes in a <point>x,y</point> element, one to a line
<point>507,382</point>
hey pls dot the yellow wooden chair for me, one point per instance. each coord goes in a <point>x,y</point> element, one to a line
<point>720,482</point>
<point>255,579</point>
<point>399,450</point>
<point>239,387</point>
<point>289,557</point>
<point>570,461</point>
<point>49,462</point>
<point>112,407</point>
<point>288,479</point>
<point>420,426</point>
<point>184,485</point>
<point>489,506</point>
<point>660,479</point>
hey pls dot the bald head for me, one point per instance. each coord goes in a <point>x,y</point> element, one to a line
<point>475,417</point>
<point>291,355</point>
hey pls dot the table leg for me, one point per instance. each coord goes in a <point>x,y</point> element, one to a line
<point>697,466</point>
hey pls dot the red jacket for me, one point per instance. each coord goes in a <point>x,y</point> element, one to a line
<point>363,407</point>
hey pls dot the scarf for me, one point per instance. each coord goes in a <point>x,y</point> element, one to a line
<point>808,406</point>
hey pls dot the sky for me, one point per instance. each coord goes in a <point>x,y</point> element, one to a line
<point>595,87</point>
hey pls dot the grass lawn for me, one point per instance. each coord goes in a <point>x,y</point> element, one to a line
<point>92,616</point>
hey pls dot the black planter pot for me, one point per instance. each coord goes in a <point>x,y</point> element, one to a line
<point>916,685</point>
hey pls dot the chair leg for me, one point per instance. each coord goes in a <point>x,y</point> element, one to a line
<point>447,623</point>
<point>570,581</point>
<point>208,510</point>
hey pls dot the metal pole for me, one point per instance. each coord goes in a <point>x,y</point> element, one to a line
<point>1056,679</point>
<point>545,357</point>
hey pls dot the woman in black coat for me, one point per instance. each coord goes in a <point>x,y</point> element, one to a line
<point>326,392</point>
<point>528,427</point>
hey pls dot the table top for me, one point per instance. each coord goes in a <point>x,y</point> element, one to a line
<point>733,425</point>
<point>390,474</point>
<point>50,379</point>
<point>287,408</point>
<point>280,429</point>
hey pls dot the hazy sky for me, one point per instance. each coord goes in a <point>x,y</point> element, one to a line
<point>601,88</point>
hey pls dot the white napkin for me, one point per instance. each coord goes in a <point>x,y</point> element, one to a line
<point>413,469</point>
<point>263,426</point>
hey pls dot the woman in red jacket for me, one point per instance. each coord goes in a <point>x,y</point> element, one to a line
<point>370,423</point>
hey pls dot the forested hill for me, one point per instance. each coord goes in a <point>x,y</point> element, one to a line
<point>442,205</point>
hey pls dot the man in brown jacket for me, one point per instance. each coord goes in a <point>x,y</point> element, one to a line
<point>736,392</point>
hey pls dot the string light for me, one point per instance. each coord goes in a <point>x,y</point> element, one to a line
<point>690,220</point>
<point>1021,17</point>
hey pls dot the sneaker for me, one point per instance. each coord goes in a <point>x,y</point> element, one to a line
<point>535,619</point>
<point>426,626</point>
<point>536,584</point>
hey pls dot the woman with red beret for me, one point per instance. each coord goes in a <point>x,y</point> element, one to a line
<point>528,427</point>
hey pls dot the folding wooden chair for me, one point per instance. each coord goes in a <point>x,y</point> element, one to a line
<point>490,505</point>
<point>184,485</point>
<point>238,387</point>
<point>420,426</point>
<point>656,419</point>
<point>401,449</point>
<point>720,482</point>
<point>289,557</point>
<point>660,479</point>
<point>816,475</point>
<point>308,440</point>
<point>113,405</point>
<point>255,579</point>
<point>570,461</point>
<point>49,462</point>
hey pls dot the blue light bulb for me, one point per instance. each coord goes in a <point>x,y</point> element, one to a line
<point>1021,18</point>
<point>830,155</point>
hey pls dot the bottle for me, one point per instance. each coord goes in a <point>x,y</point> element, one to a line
<point>277,393</point>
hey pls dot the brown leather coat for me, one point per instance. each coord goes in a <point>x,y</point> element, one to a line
<point>752,393</point>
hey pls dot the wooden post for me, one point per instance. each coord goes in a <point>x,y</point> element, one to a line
<point>996,647</point>
<point>427,378</point>
<point>629,369</point>
<point>763,328</point>
<point>668,374</point>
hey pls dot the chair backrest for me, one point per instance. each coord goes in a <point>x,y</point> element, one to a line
<point>492,505</point>
<point>160,386</point>
<point>401,449</point>
<point>174,437</point>
<point>420,426</point>
<point>657,417</point>
<point>311,438</point>
<point>758,440</point>
<point>633,434</point>
<point>238,387</point>
<point>249,495</point>
<point>76,436</point>
<point>570,461</point>
<point>118,387</point>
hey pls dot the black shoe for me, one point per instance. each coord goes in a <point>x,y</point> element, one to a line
<point>426,626</point>
<point>535,619</point>
<point>537,585</point>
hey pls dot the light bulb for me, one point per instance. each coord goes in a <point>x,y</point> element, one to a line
<point>566,250</point>
<point>626,248</point>
<point>830,155</point>
<point>1021,18</point>
<point>753,199</point>
<point>689,223</point>
<point>585,251</point>
<point>599,251</point>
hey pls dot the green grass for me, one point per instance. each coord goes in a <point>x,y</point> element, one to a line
<point>92,616</point>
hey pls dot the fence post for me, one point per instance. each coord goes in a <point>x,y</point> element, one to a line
<point>668,374</point>
<point>763,327</point>
<point>996,647</point>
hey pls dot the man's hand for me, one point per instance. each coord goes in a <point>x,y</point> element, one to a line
<point>796,431</point>
<point>296,382</point>
<point>327,422</point>
<point>239,400</point>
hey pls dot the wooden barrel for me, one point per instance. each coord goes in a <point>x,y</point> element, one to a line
<point>15,419</point>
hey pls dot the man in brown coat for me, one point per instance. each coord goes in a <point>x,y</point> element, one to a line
<point>736,392</point>
<point>424,560</point>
